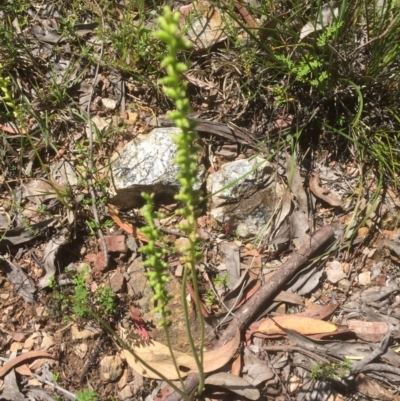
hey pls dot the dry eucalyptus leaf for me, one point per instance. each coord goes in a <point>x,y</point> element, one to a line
<point>324,193</point>
<point>374,294</point>
<point>289,297</point>
<point>49,256</point>
<point>257,371</point>
<point>319,312</point>
<point>38,191</point>
<point>158,357</point>
<point>283,212</point>
<point>21,282</point>
<point>303,325</point>
<point>299,217</point>
<point>235,384</point>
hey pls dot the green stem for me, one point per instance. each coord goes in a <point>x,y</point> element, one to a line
<point>198,306</point>
<point>171,351</point>
<point>199,361</point>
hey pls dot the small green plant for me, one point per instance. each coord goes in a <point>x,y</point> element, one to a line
<point>105,298</point>
<point>322,40</point>
<point>52,282</point>
<point>210,297</point>
<point>221,280</point>
<point>80,298</point>
<point>307,70</point>
<point>56,376</point>
<point>327,371</point>
<point>312,68</point>
<point>86,395</point>
<point>94,226</point>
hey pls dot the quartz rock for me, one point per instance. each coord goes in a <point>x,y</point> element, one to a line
<point>145,164</point>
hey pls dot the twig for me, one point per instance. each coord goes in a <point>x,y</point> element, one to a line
<point>66,393</point>
<point>90,156</point>
<point>295,348</point>
<point>381,367</point>
<point>250,309</point>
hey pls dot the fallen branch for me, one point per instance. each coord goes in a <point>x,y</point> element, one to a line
<point>266,293</point>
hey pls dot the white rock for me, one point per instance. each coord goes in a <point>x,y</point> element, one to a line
<point>179,271</point>
<point>80,350</point>
<point>334,271</point>
<point>237,170</point>
<point>251,214</point>
<point>145,164</point>
<point>364,278</point>
<point>246,194</point>
<point>109,104</point>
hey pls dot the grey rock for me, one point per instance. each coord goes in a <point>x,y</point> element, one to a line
<point>145,164</point>
<point>237,179</point>
<point>246,194</point>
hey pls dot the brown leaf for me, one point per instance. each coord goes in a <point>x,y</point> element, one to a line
<point>323,193</point>
<point>303,325</point>
<point>126,226</point>
<point>290,298</point>
<point>158,357</point>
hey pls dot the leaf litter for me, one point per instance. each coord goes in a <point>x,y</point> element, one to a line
<point>351,291</point>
